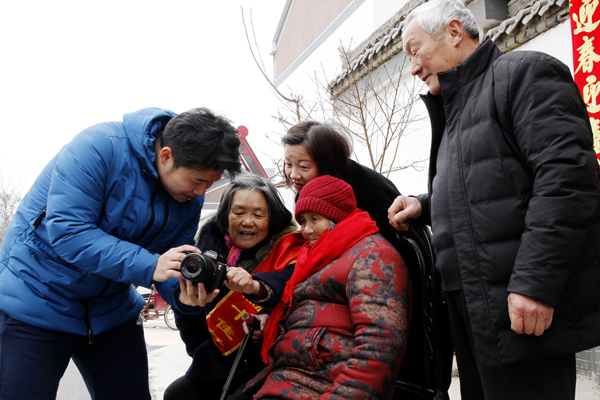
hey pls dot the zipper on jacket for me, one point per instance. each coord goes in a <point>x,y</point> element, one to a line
<point>142,167</point>
<point>151,221</point>
<point>88,326</point>
<point>162,228</point>
<point>38,220</point>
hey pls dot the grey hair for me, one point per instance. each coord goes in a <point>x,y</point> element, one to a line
<point>433,16</point>
<point>279,216</point>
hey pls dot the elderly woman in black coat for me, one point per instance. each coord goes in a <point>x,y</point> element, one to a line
<point>255,235</point>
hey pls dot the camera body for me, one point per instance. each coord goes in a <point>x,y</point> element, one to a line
<point>207,268</point>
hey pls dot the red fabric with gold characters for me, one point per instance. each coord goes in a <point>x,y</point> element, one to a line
<point>585,18</point>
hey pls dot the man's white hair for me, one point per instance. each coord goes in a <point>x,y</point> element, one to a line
<point>433,16</point>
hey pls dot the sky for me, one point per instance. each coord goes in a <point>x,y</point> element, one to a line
<point>66,65</point>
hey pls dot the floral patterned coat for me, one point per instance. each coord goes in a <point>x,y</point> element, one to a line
<point>345,335</point>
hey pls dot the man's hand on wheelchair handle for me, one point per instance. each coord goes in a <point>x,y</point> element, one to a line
<point>403,209</point>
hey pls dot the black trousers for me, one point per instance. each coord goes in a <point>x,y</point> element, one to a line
<point>550,378</point>
<point>33,360</point>
<point>184,388</point>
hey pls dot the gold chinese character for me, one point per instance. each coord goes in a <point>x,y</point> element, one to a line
<point>587,57</point>
<point>227,330</point>
<point>596,129</point>
<point>584,21</point>
<point>240,312</point>
<point>590,94</point>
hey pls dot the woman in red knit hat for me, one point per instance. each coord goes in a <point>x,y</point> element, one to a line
<point>342,324</point>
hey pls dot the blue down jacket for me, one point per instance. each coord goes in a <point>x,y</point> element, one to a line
<point>94,222</point>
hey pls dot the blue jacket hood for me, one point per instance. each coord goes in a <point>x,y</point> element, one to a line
<point>141,127</point>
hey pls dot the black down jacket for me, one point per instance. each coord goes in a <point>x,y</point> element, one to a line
<point>523,194</point>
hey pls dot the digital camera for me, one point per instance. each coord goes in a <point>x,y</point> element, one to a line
<point>207,268</point>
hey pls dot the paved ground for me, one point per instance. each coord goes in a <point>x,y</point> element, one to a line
<point>167,358</point>
<point>71,385</point>
<point>168,361</point>
<point>585,390</point>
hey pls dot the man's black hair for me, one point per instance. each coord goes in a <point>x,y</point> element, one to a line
<point>201,140</point>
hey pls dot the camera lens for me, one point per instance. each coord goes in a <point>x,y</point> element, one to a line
<point>193,266</point>
<point>197,268</point>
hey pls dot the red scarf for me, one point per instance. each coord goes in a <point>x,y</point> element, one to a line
<point>327,248</point>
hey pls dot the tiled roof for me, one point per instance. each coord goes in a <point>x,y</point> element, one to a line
<point>530,18</point>
<point>525,16</point>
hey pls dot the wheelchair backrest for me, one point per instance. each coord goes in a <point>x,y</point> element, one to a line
<point>425,372</point>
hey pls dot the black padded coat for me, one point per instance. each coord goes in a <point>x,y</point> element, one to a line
<point>523,194</point>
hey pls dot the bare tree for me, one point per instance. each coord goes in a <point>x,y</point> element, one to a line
<point>10,197</point>
<point>376,111</point>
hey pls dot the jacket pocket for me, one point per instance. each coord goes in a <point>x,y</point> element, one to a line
<point>66,279</point>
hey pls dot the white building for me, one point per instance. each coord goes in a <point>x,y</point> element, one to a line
<point>310,33</point>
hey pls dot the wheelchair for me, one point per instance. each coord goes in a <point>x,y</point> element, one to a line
<point>425,373</point>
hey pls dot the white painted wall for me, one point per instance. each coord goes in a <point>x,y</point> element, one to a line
<point>324,62</point>
<point>415,143</point>
<point>556,42</point>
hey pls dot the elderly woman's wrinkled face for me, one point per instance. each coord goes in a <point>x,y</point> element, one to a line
<point>248,218</point>
<point>312,226</point>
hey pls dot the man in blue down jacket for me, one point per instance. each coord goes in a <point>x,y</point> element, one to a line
<point>513,203</point>
<point>116,207</point>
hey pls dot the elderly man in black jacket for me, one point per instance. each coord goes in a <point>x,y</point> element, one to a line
<point>513,203</point>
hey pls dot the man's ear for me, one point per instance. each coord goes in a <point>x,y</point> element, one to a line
<point>457,32</point>
<point>164,155</point>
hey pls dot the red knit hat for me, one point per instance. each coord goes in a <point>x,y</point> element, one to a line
<point>327,196</point>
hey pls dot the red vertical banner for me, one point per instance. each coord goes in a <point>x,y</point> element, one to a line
<point>585,19</point>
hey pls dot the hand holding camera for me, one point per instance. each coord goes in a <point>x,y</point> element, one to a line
<point>207,268</point>
<point>204,274</point>
<point>168,264</point>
